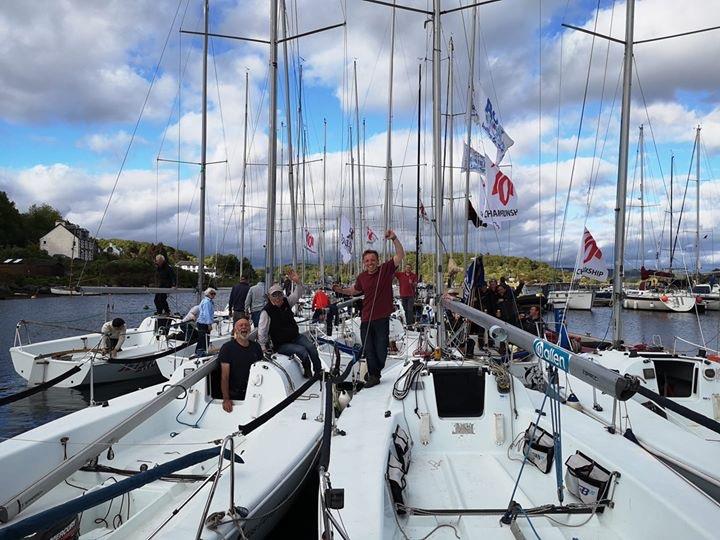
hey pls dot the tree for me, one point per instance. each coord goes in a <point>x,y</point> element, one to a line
<point>11,226</point>
<point>40,220</point>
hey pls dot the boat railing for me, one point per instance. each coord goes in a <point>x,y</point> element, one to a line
<point>699,347</point>
<point>227,441</point>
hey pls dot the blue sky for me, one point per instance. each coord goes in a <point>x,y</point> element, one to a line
<point>76,77</point>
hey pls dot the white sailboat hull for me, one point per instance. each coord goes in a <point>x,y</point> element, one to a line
<point>272,470</point>
<point>577,299</point>
<point>658,301</point>
<point>462,463</point>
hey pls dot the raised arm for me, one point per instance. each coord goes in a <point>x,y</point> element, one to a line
<point>348,291</point>
<point>399,249</point>
<point>299,288</point>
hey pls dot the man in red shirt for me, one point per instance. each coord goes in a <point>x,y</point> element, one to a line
<point>376,284</point>
<point>408,284</point>
<point>320,302</point>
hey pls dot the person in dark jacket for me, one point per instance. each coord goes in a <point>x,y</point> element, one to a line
<point>506,305</point>
<point>277,322</point>
<point>534,322</point>
<point>165,278</point>
<point>236,302</point>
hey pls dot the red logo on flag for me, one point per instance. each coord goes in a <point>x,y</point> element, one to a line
<point>591,249</point>
<point>503,188</point>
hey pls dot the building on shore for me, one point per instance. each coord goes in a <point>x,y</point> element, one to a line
<point>193,267</point>
<point>69,240</point>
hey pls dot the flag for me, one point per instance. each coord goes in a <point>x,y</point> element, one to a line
<point>423,213</point>
<point>473,159</point>
<point>347,234</point>
<point>474,277</point>
<point>370,236</point>
<point>591,264</point>
<point>501,202</point>
<point>495,131</point>
<point>473,217</point>
<point>309,241</point>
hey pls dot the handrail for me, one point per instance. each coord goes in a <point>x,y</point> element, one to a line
<point>678,338</point>
<point>231,440</point>
<point>16,504</point>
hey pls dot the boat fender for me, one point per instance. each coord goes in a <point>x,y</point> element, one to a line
<point>424,428</point>
<point>499,428</point>
<point>192,400</point>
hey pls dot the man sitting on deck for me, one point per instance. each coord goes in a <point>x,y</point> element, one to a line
<point>236,356</point>
<point>113,336</point>
<point>277,322</point>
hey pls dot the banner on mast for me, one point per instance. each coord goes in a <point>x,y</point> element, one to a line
<point>495,131</point>
<point>347,234</point>
<point>370,235</point>
<point>473,160</point>
<point>501,201</point>
<point>591,264</point>
<point>309,241</point>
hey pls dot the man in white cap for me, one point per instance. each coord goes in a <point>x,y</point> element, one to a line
<point>205,320</point>
<point>277,321</point>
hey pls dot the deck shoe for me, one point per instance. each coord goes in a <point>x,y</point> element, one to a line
<point>372,380</point>
<point>306,372</point>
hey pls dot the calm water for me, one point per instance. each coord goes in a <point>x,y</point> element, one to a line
<point>74,315</point>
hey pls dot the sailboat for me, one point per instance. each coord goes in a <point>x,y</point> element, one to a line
<point>170,461</point>
<point>451,447</point>
<point>657,291</point>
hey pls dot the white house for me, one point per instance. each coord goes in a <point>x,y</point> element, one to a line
<point>193,267</point>
<point>112,249</point>
<point>70,240</point>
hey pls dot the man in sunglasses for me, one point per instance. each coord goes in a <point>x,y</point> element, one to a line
<point>277,321</point>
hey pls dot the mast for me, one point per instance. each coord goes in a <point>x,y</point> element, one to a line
<point>272,149</point>
<point>203,156</point>
<point>672,174</point>
<point>288,116</point>
<point>301,159</point>
<point>451,119</point>
<point>244,180</point>
<point>417,214</point>
<point>642,196</point>
<point>359,167</point>
<point>353,261</point>
<point>622,175</point>
<point>387,219</point>
<point>697,206</point>
<point>322,225</point>
<point>437,171</point>
<point>471,92</point>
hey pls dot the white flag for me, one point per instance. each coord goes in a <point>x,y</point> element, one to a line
<point>347,233</point>
<point>495,131</point>
<point>473,159</point>
<point>309,241</point>
<point>591,260</point>
<point>501,201</point>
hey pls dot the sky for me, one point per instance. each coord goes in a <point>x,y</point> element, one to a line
<point>100,98</point>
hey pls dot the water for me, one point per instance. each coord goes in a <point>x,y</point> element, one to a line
<point>73,315</point>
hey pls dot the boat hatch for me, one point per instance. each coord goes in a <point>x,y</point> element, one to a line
<point>459,391</point>
<point>676,378</point>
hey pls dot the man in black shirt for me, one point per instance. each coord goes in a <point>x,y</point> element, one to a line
<point>236,303</point>
<point>164,277</point>
<point>236,356</point>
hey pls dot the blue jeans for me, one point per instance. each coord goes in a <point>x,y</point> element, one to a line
<point>304,349</point>
<point>375,339</point>
<point>255,316</point>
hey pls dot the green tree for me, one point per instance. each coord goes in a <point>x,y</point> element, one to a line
<point>11,226</point>
<point>39,220</point>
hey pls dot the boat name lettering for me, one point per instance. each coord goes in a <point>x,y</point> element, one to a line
<point>463,428</point>
<point>552,354</point>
